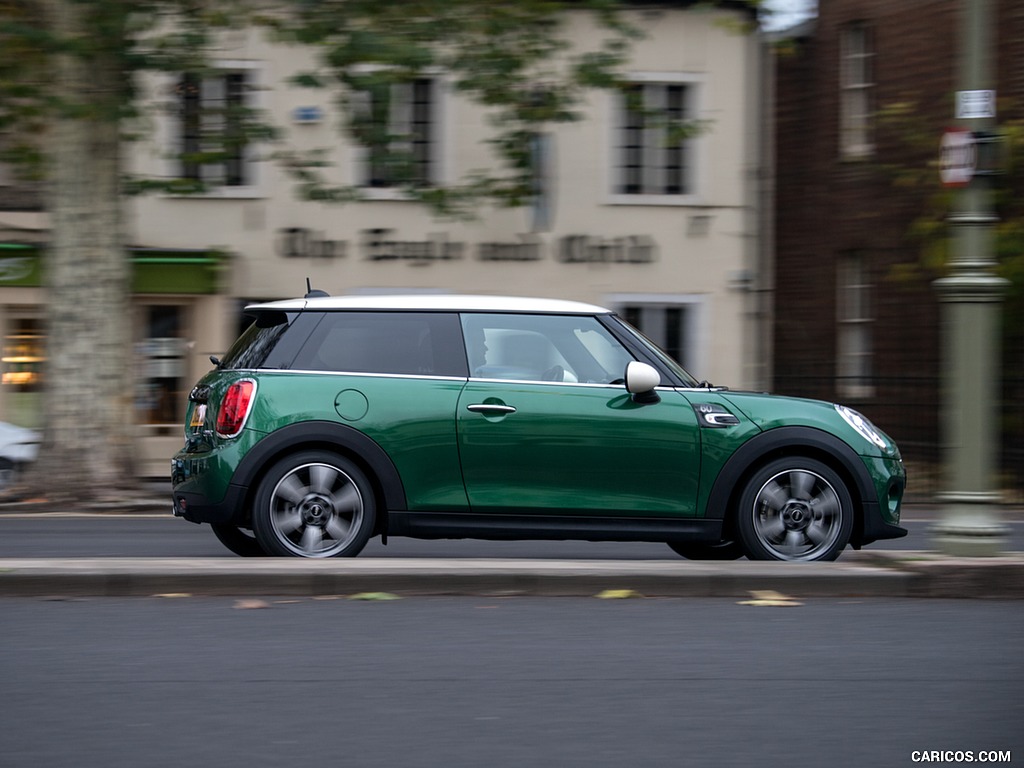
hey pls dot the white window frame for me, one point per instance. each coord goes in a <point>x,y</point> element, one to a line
<point>696,146</point>
<point>174,131</point>
<point>440,154</point>
<point>854,324</point>
<point>856,91</point>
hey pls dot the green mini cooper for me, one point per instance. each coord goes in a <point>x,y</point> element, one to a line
<point>331,420</point>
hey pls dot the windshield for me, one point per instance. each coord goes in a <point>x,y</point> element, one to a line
<point>657,352</point>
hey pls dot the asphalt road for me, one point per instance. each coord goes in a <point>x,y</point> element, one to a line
<point>495,682</point>
<point>48,536</point>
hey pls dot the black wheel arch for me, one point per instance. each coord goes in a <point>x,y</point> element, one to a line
<point>794,441</point>
<point>323,435</point>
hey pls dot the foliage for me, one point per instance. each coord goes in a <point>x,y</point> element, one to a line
<point>917,175</point>
<point>511,57</point>
<point>71,79</point>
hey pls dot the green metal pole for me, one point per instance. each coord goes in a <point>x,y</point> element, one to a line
<point>971,295</point>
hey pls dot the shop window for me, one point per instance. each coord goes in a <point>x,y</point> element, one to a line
<point>22,377</point>
<point>162,394</point>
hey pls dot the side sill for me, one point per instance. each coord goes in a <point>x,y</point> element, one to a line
<point>467,525</point>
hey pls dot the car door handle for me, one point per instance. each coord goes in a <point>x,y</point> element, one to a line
<point>491,409</point>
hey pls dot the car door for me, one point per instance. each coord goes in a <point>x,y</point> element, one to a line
<point>546,426</point>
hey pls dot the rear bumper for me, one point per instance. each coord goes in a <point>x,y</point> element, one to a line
<point>196,508</point>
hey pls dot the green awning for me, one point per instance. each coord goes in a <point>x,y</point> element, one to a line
<point>154,270</point>
<point>168,270</point>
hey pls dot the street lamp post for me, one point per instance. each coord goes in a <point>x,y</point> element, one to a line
<point>971,295</point>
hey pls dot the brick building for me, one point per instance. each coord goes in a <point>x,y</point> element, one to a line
<point>856,316</point>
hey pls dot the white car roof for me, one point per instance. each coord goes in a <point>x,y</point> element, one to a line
<point>434,302</point>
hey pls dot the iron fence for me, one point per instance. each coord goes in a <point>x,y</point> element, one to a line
<point>909,409</point>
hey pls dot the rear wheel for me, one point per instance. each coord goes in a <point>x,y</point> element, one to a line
<point>797,509</point>
<point>314,504</point>
<point>720,550</point>
<point>238,540</point>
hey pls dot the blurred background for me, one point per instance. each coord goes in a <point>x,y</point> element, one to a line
<point>759,192</point>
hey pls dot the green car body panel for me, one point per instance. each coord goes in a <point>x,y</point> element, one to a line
<point>534,455</point>
<point>578,449</point>
<point>410,419</point>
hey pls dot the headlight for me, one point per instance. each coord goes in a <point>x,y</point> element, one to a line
<point>863,427</point>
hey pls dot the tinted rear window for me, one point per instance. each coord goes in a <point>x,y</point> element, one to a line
<point>270,342</point>
<point>410,343</point>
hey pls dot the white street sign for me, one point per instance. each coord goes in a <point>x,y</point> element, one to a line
<point>975,105</point>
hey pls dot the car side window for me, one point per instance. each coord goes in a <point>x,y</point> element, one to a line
<point>405,343</point>
<point>565,348</point>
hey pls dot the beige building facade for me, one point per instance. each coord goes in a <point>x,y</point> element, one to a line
<point>667,235</point>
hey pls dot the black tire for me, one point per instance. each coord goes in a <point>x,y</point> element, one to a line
<point>795,509</point>
<point>238,540</point>
<point>720,550</point>
<point>314,504</point>
<point>8,473</point>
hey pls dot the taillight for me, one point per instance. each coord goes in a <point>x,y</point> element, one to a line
<point>235,407</point>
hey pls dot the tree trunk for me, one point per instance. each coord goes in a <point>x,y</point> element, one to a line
<point>88,410</point>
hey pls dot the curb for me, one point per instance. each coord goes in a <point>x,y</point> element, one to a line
<point>892,575</point>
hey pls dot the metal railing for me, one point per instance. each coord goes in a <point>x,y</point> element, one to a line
<point>909,409</point>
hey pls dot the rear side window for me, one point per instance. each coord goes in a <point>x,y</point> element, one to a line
<point>407,343</point>
<point>270,342</point>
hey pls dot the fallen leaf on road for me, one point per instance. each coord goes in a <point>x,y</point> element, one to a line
<point>374,596</point>
<point>771,599</point>
<point>244,605</point>
<point>617,594</point>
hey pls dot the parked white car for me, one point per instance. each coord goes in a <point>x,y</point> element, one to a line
<point>18,447</point>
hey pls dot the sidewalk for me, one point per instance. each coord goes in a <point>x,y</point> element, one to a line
<point>867,573</point>
<point>856,574</point>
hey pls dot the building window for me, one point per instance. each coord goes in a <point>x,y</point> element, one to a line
<point>22,374</point>
<point>654,155</point>
<point>402,128</point>
<point>856,86</point>
<point>212,139</point>
<point>854,328</point>
<point>668,326</point>
<point>162,395</point>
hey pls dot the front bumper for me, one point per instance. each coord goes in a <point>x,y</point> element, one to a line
<point>876,529</point>
<point>882,516</point>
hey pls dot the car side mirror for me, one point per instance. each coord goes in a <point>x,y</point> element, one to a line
<point>641,379</point>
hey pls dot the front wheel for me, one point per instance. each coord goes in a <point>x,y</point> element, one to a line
<point>795,509</point>
<point>314,504</point>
